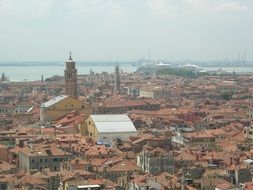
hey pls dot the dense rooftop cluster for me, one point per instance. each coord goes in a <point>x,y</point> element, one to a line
<point>156,132</point>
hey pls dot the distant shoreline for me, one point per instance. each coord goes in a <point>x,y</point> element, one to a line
<point>34,71</point>
<point>109,64</point>
<point>86,63</point>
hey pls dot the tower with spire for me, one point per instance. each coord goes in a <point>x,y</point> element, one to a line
<point>3,78</point>
<point>70,77</point>
<point>117,79</point>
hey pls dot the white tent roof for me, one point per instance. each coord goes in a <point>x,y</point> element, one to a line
<point>116,123</point>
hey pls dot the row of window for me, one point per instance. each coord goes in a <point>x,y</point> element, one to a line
<point>69,75</point>
<point>4,111</point>
<point>65,106</point>
<point>46,160</point>
<point>108,110</point>
<point>45,167</point>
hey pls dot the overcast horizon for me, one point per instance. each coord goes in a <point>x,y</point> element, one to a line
<point>125,30</point>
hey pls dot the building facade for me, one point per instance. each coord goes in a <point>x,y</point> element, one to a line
<point>107,128</point>
<point>154,160</point>
<point>120,107</point>
<point>248,131</point>
<point>41,158</point>
<point>117,79</point>
<point>62,105</point>
<point>154,92</point>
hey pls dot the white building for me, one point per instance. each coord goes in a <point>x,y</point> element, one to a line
<point>249,132</point>
<point>154,92</point>
<point>107,128</point>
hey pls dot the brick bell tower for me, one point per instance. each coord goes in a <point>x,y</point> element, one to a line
<point>70,77</point>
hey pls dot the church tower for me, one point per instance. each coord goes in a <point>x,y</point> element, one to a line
<point>117,79</point>
<point>70,76</point>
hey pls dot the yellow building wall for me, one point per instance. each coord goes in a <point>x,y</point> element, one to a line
<point>63,107</point>
<point>82,127</point>
<point>91,129</point>
<point>66,186</point>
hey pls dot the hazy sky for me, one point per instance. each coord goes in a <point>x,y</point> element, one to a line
<point>45,30</point>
